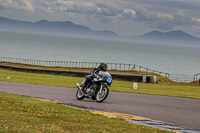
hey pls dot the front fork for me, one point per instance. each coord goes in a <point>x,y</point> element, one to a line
<point>101,88</point>
<point>79,87</point>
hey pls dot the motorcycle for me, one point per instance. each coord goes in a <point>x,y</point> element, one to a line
<point>97,89</point>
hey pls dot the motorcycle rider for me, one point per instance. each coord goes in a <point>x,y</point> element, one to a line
<point>96,70</point>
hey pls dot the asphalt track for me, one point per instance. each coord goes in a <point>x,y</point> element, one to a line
<point>179,111</point>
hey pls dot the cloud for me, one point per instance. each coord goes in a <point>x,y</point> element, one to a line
<point>164,15</point>
<point>97,10</point>
<point>74,7</point>
<point>105,13</point>
<point>87,8</point>
<point>109,9</point>
<point>23,5</point>
<point>163,21</point>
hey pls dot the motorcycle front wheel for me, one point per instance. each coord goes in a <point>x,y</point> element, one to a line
<point>79,95</point>
<point>101,96</point>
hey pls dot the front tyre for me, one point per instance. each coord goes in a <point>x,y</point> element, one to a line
<point>101,96</point>
<point>79,95</point>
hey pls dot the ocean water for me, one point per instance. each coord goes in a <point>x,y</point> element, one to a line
<point>165,58</point>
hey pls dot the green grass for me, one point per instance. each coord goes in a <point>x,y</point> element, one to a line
<point>184,91</point>
<point>163,87</point>
<point>22,114</point>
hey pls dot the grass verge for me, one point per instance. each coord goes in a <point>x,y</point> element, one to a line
<point>22,114</point>
<point>161,88</point>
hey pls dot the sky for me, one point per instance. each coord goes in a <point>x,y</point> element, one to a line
<point>124,17</point>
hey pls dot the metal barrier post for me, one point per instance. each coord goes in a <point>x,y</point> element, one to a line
<point>199,81</point>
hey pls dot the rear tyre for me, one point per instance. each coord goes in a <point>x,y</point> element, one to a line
<point>79,95</point>
<point>101,96</point>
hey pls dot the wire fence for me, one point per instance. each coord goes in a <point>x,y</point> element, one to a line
<point>111,66</point>
<point>182,78</point>
<point>197,77</point>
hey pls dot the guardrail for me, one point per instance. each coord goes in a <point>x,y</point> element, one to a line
<point>181,78</point>
<point>111,66</point>
<point>197,77</point>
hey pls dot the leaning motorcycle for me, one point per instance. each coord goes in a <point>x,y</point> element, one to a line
<point>97,89</point>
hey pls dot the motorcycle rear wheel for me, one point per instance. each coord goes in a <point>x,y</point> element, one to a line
<point>101,96</point>
<point>79,95</point>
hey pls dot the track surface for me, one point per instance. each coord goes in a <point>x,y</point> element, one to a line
<point>179,111</point>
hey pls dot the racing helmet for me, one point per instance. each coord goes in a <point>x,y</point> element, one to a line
<point>103,66</point>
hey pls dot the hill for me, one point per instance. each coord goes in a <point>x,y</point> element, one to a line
<point>171,37</point>
<point>54,27</point>
<point>68,28</point>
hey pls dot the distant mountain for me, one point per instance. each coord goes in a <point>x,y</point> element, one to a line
<point>70,29</point>
<point>173,35</point>
<point>178,37</point>
<point>55,27</point>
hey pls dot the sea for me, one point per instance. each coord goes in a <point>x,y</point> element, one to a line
<point>173,59</point>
